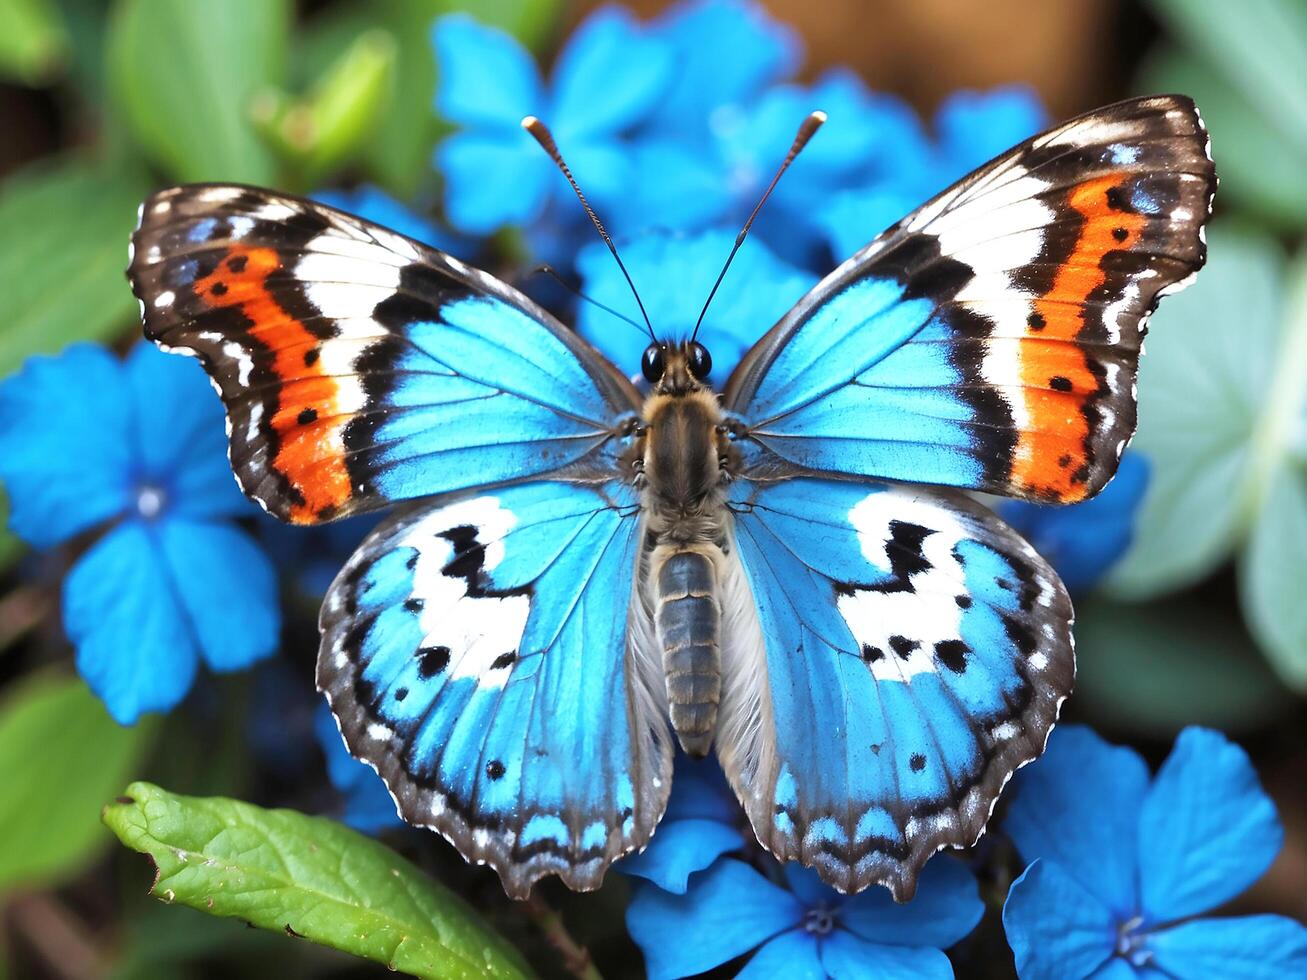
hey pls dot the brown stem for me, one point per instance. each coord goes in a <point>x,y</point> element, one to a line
<point>57,936</point>
<point>576,958</point>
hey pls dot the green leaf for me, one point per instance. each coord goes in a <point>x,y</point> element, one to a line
<point>1274,566</point>
<point>1152,668</point>
<point>309,877</point>
<point>398,155</point>
<point>10,546</point>
<point>321,132</point>
<point>33,42</point>
<point>63,248</point>
<point>61,755</point>
<point>1260,46</point>
<point>1260,168</point>
<point>1272,573</point>
<point>1202,390</point>
<point>183,75</point>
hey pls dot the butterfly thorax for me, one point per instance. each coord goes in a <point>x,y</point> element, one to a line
<point>686,462</point>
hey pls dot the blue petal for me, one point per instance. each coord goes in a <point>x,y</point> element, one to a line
<point>1207,832</point>
<point>132,641</point>
<point>65,444</point>
<point>809,888</point>
<point>725,52</point>
<point>1253,947</point>
<point>846,957</point>
<point>1079,806</point>
<point>946,909</point>
<point>1057,929</point>
<point>486,77</point>
<point>700,792</point>
<point>492,180</point>
<point>603,168</point>
<point>380,208</point>
<point>180,435</point>
<point>227,590</point>
<point>679,849</point>
<point>609,75</point>
<point>674,276</point>
<point>852,218</point>
<point>792,955</point>
<point>728,910</point>
<point>975,127</point>
<point>675,186</point>
<point>1083,541</point>
<point>368,805</point>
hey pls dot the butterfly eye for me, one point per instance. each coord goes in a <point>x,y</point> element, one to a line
<point>652,363</point>
<point>700,360</point>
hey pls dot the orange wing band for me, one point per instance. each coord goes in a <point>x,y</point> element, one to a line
<point>307,420</point>
<point>1052,452</point>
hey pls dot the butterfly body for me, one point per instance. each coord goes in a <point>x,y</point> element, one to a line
<point>788,573</point>
<point>687,462</point>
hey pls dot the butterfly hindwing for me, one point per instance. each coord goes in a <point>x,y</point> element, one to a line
<point>909,652</point>
<point>990,340</point>
<point>475,653</point>
<point>359,367</point>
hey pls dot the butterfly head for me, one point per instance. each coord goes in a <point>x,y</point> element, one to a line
<point>676,368</point>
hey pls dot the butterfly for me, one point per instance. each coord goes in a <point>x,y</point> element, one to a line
<point>788,572</point>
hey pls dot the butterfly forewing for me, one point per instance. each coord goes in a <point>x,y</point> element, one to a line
<point>360,367</point>
<point>991,339</point>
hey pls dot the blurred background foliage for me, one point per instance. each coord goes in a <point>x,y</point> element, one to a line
<point>1204,620</point>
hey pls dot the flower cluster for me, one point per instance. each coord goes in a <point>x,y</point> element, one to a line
<point>709,899</point>
<point>129,458</point>
<point>1123,866</point>
<point>664,134</point>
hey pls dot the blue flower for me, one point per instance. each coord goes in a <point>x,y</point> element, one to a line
<point>725,53</point>
<point>674,276</point>
<point>88,441</point>
<point>607,79</point>
<point>380,208</point>
<point>801,928</point>
<point>970,129</point>
<point>1083,541</point>
<point>1123,866</point>
<point>368,804</point>
<point>703,821</point>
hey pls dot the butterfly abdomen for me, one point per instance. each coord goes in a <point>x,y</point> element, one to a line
<point>688,621</point>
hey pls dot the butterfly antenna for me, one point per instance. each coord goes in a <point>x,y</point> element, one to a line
<point>805,133</point>
<point>546,140</point>
<point>549,270</point>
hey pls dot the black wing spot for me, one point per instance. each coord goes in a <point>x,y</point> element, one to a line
<point>401,694</point>
<point>872,654</point>
<point>1036,321</point>
<point>307,416</point>
<point>953,655</point>
<point>917,762</point>
<point>504,660</point>
<point>414,605</point>
<point>1064,460</point>
<point>1020,635</point>
<point>1059,383</point>
<point>237,263</point>
<point>311,357</point>
<point>1120,234</point>
<point>902,646</point>
<point>1115,199</point>
<point>432,660</point>
<point>963,601</point>
<point>218,289</point>
<point>495,769</point>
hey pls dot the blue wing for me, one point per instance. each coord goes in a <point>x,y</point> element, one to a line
<point>991,339</point>
<point>359,367</point>
<point>476,654</point>
<point>909,652</point>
